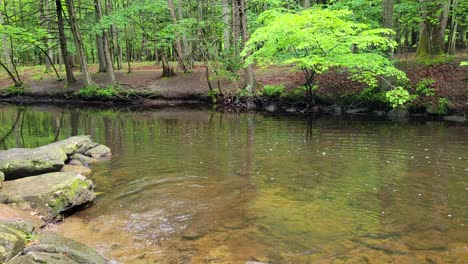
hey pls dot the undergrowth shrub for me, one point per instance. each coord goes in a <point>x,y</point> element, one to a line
<point>108,92</point>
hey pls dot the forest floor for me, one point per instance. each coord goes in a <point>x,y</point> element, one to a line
<point>451,82</point>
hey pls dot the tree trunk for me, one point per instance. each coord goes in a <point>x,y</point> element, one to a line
<point>249,74</point>
<point>226,26</point>
<point>4,39</point>
<point>168,71</point>
<point>128,51</point>
<point>185,44</point>
<point>48,62</point>
<point>452,42</point>
<point>306,4</point>
<point>63,43</point>
<point>432,28</point>
<point>236,25</point>
<point>105,41</point>
<point>15,81</point>
<point>387,18</point>
<point>78,43</point>
<point>178,44</point>
<point>100,54</point>
<point>100,45</point>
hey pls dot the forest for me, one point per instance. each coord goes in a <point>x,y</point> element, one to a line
<point>97,44</point>
<point>233,131</point>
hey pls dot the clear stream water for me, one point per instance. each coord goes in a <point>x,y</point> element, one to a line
<point>193,186</point>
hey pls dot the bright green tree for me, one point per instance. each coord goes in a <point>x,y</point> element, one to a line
<point>317,40</point>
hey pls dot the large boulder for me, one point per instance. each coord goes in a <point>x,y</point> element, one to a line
<point>99,151</point>
<point>52,248</point>
<point>84,160</point>
<point>12,240</point>
<point>398,114</point>
<point>50,194</point>
<point>357,110</point>
<point>72,145</point>
<point>457,119</point>
<point>271,108</point>
<point>83,170</point>
<point>13,215</point>
<point>16,228</point>
<point>17,162</point>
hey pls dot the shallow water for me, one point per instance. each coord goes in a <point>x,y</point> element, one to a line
<point>192,186</point>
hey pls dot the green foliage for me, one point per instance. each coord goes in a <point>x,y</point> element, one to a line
<point>464,63</point>
<point>367,11</point>
<point>29,238</point>
<point>398,97</point>
<point>244,93</point>
<point>213,94</point>
<point>435,60</point>
<point>274,90</point>
<point>423,87</point>
<point>97,92</point>
<point>16,91</point>
<point>23,37</point>
<point>296,94</point>
<point>317,40</point>
<point>37,77</point>
<point>443,105</point>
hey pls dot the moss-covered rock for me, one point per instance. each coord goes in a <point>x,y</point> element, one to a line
<point>71,145</point>
<point>398,114</point>
<point>50,246</point>
<point>13,215</point>
<point>49,194</point>
<point>37,257</point>
<point>12,240</point>
<point>17,163</point>
<point>85,171</point>
<point>99,151</point>
<point>85,160</point>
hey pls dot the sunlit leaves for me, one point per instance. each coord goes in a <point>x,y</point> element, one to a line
<point>321,39</point>
<point>24,36</point>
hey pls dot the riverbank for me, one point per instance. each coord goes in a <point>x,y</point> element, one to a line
<point>438,89</point>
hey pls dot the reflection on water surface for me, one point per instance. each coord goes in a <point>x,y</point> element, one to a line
<point>191,186</point>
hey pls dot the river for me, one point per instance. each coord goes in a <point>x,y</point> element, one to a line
<point>195,186</point>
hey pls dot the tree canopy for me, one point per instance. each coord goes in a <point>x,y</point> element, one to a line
<point>316,40</point>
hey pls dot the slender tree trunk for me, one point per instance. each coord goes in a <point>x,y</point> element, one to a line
<point>100,45</point>
<point>306,4</point>
<point>168,71</point>
<point>452,42</point>
<point>48,62</point>
<point>387,21</point>
<point>63,43</point>
<point>178,44</point>
<point>128,51</point>
<point>79,43</point>
<point>226,26</point>
<point>4,39</point>
<point>49,29</point>
<point>185,44</point>
<point>109,65</point>
<point>249,74</point>
<point>15,81</point>
<point>236,25</point>
<point>100,54</point>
